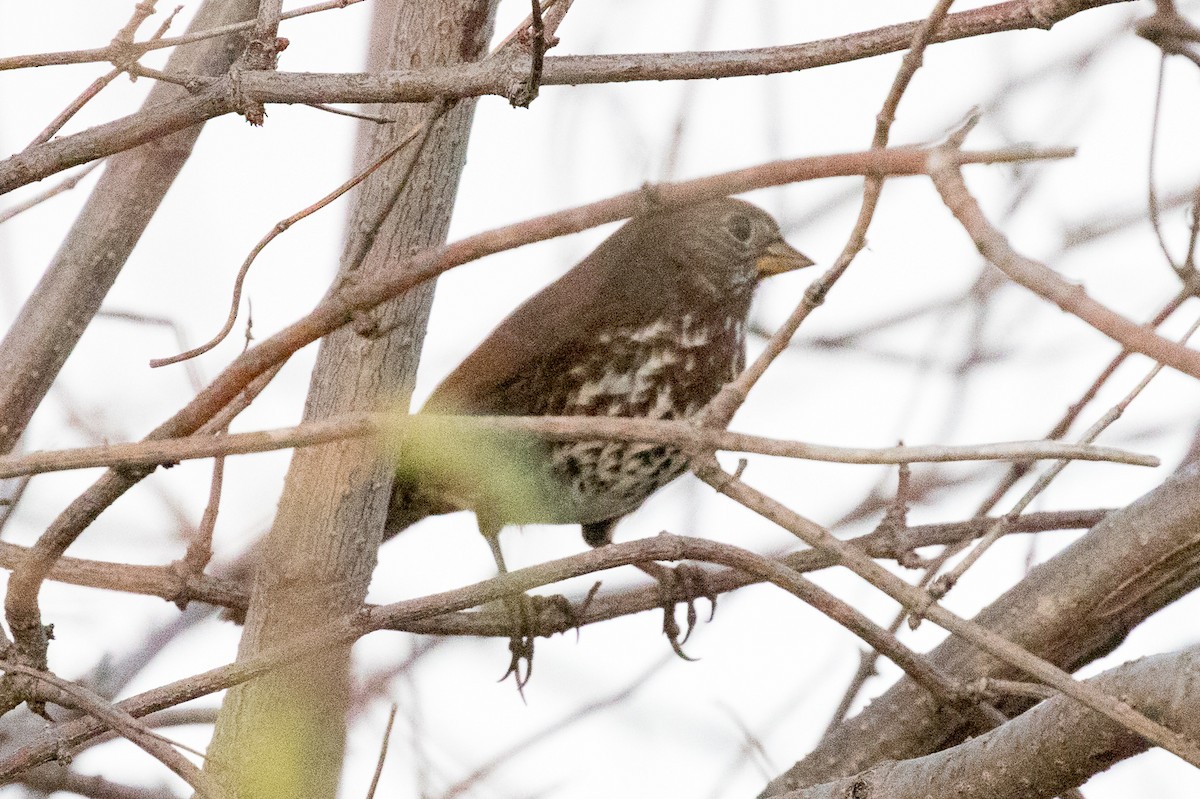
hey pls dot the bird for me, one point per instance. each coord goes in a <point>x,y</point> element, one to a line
<point>650,325</point>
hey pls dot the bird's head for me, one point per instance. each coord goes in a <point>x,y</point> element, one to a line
<point>725,245</point>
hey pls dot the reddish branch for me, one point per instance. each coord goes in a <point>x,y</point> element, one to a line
<point>346,630</point>
<point>365,291</point>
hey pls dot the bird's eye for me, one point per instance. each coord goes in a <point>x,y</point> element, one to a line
<point>739,227</point>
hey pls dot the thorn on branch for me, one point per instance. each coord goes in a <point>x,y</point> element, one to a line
<point>956,137</point>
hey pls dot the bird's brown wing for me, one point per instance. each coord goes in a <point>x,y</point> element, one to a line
<point>622,280</point>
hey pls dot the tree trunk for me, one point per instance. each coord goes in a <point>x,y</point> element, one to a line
<point>283,734</point>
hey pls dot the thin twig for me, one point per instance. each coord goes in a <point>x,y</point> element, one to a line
<point>1060,429</point>
<point>199,551</point>
<point>1151,191</point>
<point>66,184</point>
<point>551,428</point>
<point>13,494</point>
<point>383,747</point>
<point>948,580</point>
<point>528,91</point>
<point>1044,282</point>
<point>281,227</point>
<point>108,53</point>
<point>379,120</point>
<point>720,409</point>
<point>120,44</point>
<point>527,744</point>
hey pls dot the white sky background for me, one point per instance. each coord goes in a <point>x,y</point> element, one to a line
<point>767,664</point>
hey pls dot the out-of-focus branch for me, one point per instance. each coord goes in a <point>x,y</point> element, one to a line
<point>51,778</point>
<point>53,689</point>
<point>953,575</point>
<point>1019,470</point>
<point>1044,282</point>
<point>1171,31</point>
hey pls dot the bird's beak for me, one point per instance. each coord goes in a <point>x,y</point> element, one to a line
<point>781,257</point>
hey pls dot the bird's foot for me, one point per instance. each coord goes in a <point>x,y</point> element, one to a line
<point>684,583</point>
<point>531,615</point>
<point>521,622</point>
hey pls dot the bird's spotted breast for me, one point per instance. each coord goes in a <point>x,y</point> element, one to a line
<point>649,325</point>
<point>668,369</point>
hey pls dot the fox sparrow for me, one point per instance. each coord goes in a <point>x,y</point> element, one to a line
<point>649,325</point>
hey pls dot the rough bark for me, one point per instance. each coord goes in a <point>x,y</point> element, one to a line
<point>1074,608</point>
<point>1056,746</point>
<point>284,734</point>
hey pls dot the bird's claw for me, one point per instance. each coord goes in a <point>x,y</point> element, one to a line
<point>525,614</point>
<point>685,583</point>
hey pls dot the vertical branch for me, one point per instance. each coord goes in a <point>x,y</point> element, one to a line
<point>284,734</point>
<point>721,410</point>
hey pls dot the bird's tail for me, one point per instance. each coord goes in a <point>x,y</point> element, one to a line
<point>409,505</point>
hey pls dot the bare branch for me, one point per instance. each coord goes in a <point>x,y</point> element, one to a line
<point>495,76</point>
<point>1044,282</point>
<point>918,601</point>
<point>1055,746</point>
<point>1105,575</point>
<point>361,293</point>
<point>168,583</point>
<point>552,428</point>
<point>71,695</point>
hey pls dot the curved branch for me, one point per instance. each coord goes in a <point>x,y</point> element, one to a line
<point>362,292</point>
<point>347,629</point>
<point>68,694</point>
<point>1043,281</point>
